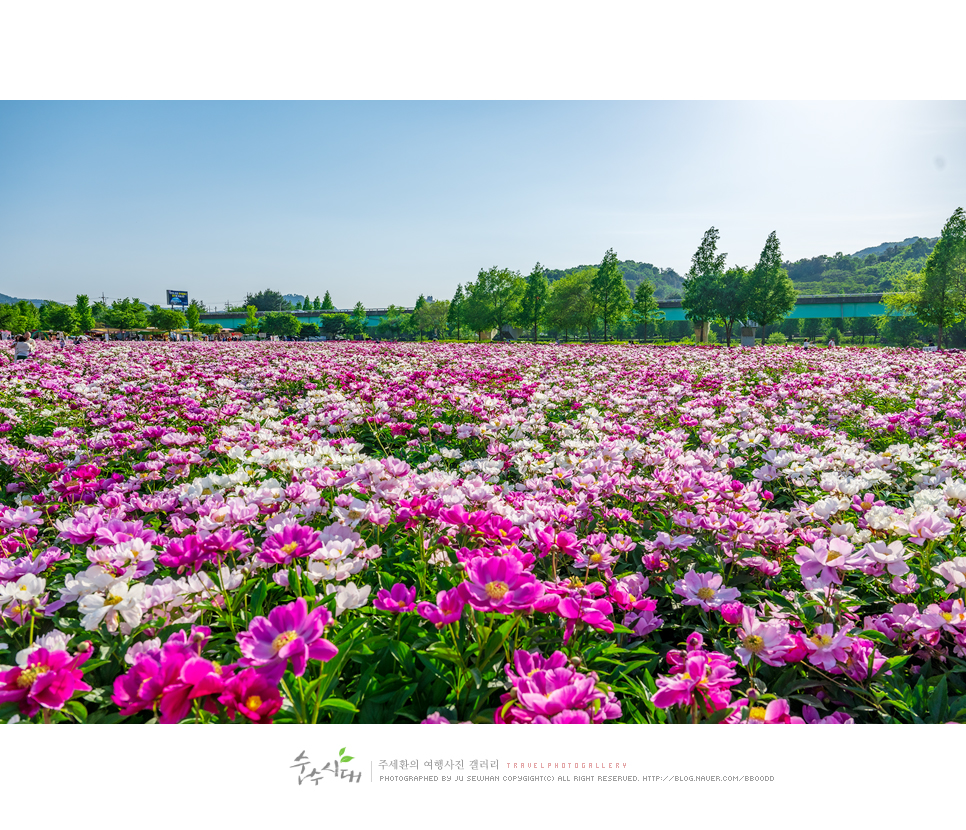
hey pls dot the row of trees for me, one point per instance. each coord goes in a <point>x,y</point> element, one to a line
<point>126,314</point>
<point>730,296</point>
<point>579,301</point>
<point>271,300</point>
<point>936,295</point>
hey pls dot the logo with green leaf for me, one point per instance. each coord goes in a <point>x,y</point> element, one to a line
<point>343,758</point>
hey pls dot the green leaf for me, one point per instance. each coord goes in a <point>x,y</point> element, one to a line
<point>337,703</point>
<point>938,702</point>
<point>259,593</point>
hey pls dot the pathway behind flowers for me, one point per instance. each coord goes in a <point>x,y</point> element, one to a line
<point>482,533</point>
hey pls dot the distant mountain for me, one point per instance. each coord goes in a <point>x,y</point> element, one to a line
<point>881,249</point>
<point>667,282</point>
<point>862,272</point>
<point>7,300</point>
<point>294,299</point>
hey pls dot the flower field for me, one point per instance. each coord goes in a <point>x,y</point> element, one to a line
<point>425,533</point>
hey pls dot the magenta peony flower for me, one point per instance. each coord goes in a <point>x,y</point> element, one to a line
<point>290,543</point>
<point>252,695</point>
<point>397,600</point>
<point>290,632</point>
<point>448,608</point>
<point>48,680</point>
<point>499,584</point>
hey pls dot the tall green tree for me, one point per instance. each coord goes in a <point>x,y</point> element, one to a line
<point>268,300</point>
<point>433,316</point>
<point>645,311</point>
<point>334,324</point>
<point>534,299</point>
<point>85,316</point>
<point>126,314</point>
<point>455,316</point>
<point>571,306</point>
<point>494,299</point>
<point>19,317</point>
<point>62,318</point>
<point>702,283</point>
<point>327,304</point>
<point>359,319</point>
<point>734,299</point>
<point>281,323</point>
<point>609,290</point>
<point>316,306</point>
<point>193,316</point>
<point>416,317</point>
<point>306,303</point>
<point>250,326</point>
<point>166,319</point>
<point>771,294</point>
<point>937,294</point>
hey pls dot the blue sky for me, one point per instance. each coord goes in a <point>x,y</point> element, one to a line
<point>382,201</point>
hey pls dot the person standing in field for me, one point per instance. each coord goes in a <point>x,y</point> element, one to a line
<point>22,349</point>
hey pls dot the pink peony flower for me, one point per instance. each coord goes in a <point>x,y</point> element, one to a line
<point>48,680</point>
<point>704,590</point>
<point>499,584</point>
<point>290,632</point>
<point>397,600</point>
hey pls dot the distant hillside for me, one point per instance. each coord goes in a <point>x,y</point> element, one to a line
<point>862,272</point>
<point>7,300</point>
<point>885,246</point>
<point>667,282</point>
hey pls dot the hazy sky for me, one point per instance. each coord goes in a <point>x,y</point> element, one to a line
<point>380,202</point>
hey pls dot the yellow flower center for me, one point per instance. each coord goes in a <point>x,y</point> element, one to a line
<point>706,593</point>
<point>291,547</point>
<point>832,556</point>
<point>113,599</point>
<point>595,558</point>
<point>496,589</point>
<point>757,713</point>
<point>283,640</point>
<point>253,702</point>
<point>946,616</point>
<point>754,643</point>
<point>821,640</point>
<point>28,676</point>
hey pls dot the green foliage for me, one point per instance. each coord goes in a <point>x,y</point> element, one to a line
<point>771,294</point>
<point>874,270</point>
<point>250,326</point>
<point>125,314</point>
<point>645,311</point>
<point>281,323</point>
<point>666,281</point>
<point>19,317</point>
<point>85,315</point>
<point>455,316</point>
<point>316,304</point>
<point>703,283</point>
<point>358,320</point>
<point>306,304</point>
<point>937,294</point>
<point>327,304</point>
<point>571,306</point>
<point>193,316</point>
<point>494,299</point>
<point>309,330</point>
<point>609,290</point>
<point>534,299</point>
<point>268,300</point>
<point>778,339</point>
<point>334,324</point>
<point>432,317</point>
<point>166,319</point>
